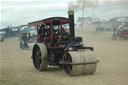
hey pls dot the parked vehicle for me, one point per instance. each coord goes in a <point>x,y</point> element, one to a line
<point>1,38</point>
<point>121,32</point>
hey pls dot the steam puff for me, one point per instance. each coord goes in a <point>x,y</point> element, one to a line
<point>79,4</point>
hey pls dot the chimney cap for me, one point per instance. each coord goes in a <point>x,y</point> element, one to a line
<point>70,12</point>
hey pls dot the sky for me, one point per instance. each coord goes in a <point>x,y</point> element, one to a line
<point>20,12</point>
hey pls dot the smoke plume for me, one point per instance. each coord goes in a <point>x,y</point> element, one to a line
<point>80,4</point>
<point>93,4</point>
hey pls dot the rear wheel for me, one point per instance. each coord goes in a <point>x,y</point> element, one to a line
<point>39,57</point>
<point>114,37</point>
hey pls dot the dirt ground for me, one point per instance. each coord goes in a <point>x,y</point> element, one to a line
<point>16,66</point>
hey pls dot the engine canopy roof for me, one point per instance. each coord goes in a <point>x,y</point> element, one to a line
<point>51,20</point>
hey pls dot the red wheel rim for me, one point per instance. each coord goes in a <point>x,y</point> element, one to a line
<point>38,55</point>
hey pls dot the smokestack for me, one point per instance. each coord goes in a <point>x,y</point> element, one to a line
<point>71,24</point>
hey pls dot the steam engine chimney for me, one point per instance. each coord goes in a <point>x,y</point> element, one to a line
<point>71,24</point>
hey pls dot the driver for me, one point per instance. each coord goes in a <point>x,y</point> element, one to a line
<point>41,33</point>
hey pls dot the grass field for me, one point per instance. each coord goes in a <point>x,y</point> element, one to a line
<point>16,66</point>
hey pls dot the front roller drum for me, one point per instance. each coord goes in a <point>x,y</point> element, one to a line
<point>82,63</point>
<point>39,56</point>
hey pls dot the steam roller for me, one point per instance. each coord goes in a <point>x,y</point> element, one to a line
<point>57,47</point>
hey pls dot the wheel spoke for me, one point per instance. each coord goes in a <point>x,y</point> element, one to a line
<point>38,55</point>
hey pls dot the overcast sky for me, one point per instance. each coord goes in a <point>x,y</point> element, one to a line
<point>18,12</point>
